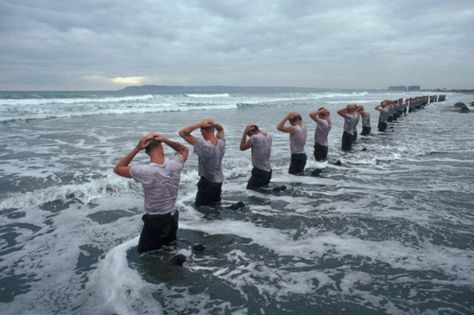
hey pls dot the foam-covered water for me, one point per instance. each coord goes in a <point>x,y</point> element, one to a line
<point>389,231</point>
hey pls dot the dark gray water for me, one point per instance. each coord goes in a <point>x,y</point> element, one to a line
<point>389,231</point>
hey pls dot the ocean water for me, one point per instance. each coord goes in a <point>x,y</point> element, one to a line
<point>390,231</point>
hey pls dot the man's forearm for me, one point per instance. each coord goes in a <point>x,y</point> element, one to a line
<point>128,158</point>
<point>188,130</point>
<point>218,127</point>
<point>244,139</point>
<point>282,123</point>
<point>178,147</point>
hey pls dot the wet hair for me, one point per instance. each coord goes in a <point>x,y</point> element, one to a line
<point>252,129</point>
<point>208,128</point>
<point>296,118</point>
<point>152,145</point>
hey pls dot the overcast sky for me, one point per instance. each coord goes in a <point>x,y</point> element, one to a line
<point>105,44</point>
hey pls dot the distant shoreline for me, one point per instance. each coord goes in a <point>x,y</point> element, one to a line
<point>165,89</point>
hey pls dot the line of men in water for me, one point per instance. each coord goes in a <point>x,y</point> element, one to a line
<point>160,178</point>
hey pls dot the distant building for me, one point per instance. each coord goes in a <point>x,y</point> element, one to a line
<point>397,88</point>
<point>413,88</point>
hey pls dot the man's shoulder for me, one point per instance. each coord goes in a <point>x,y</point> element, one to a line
<point>176,160</point>
<point>199,141</point>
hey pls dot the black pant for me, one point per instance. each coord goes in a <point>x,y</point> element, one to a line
<point>382,126</point>
<point>346,141</point>
<point>365,131</point>
<point>208,192</point>
<point>354,136</point>
<point>158,230</point>
<point>320,152</point>
<point>390,118</point>
<point>259,178</point>
<point>298,162</point>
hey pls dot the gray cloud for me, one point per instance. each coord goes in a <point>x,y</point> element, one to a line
<point>372,44</point>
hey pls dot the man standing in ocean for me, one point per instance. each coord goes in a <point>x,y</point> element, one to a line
<point>383,117</point>
<point>210,150</point>
<point>322,118</point>
<point>298,132</point>
<point>355,122</point>
<point>365,121</point>
<point>261,144</point>
<point>348,135</point>
<point>160,181</point>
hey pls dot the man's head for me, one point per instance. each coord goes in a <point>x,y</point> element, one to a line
<point>351,108</point>
<point>253,130</point>
<point>153,145</point>
<point>296,119</point>
<point>207,131</point>
<point>323,113</point>
<point>360,109</point>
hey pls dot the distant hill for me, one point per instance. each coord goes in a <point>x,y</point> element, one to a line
<point>174,89</point>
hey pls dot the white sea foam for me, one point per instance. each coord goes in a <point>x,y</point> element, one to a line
<point>83,193</point>
<point>120,289</point>
<point>73,101</point>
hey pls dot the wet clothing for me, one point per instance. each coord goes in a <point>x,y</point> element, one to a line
<point>323,126</point>
<point>365,131</point>
<point>365,123</point>
<point>210,158</point>
<point>298,138</point>
<point>365,119</point>
<point>297,143</point>
<point>261,150</point>
<point>259,178</point>
<point>208,192</point>
<point>158,230</point>
<point>347,140</point>
<point>355,122</point>
<point>160,183</point>
<point>298,162</point>
<point>382,126</point>
<point>210,169</point>
<point>384,113</point>
<point>349,123</point>
<point>348,134</point>
<point>320,152</point>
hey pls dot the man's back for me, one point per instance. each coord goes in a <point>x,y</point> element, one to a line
<point>261,150</point>
<point>298,138</point>
<point>210,158</point>
<point>160,183</point>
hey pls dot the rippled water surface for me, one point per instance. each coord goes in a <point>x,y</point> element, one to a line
<point>388,231</point>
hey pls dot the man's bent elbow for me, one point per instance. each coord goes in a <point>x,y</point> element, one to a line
<point>116,170</point>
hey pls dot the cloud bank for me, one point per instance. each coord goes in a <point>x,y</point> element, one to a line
<point>95,45</point>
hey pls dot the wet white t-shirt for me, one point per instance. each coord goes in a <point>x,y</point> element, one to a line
<point>349,123</point>
<point>210,159</point>
<point>323,126</point>
<point>298,139</point>
<point>365,119</point>
<point>261,151</point>
<point>160,183</point>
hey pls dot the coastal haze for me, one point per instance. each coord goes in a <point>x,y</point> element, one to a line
<point>388,231</point>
